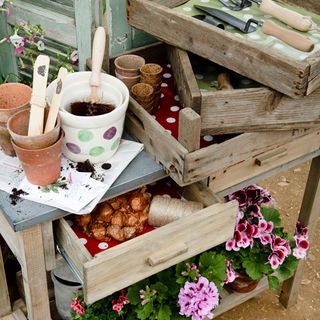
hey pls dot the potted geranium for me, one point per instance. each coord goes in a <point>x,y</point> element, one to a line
<point>260,247</point>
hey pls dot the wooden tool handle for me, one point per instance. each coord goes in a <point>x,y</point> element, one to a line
<point>166,254</point>
<point>224,82</point>
<point>291,18</point>
<point>291,38</point>
<point>38,98</point>
<point>56,100</point>
<point>98,47</point>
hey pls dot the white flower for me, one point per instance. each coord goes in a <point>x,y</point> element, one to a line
<point>40,45</point>
<point>17,41</point>
<point>74,56</point>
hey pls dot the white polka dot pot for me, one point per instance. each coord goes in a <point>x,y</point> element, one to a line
<point>95,138</point>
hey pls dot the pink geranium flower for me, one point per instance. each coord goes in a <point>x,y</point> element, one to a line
<point>198,299</point>
<point>77,307</point>
<point>231,275</point>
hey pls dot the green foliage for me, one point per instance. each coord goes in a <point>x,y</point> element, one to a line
<point>61,183</point>
<point>271,214</point>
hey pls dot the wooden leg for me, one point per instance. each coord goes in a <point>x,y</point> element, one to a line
<point>34,273</point>
<point>309,213</point>
<point>5,307</point>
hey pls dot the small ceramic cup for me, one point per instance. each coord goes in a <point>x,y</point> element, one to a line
<point>128,65</point>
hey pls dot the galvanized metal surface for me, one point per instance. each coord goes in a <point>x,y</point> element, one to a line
<point>142,170</point>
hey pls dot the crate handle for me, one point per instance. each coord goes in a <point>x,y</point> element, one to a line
<point>167,254</point>
<point>270,156</point>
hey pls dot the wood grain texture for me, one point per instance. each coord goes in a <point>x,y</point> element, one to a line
<point>48,245</point>
<point>234,151</point>
<point>309,216</point>
<point>126,264</point>
<point>188,90</point>
<point>313,5</point>
<point>4,293</point>
<point>268,67</point>
<point>34,273</point>
<point>189,129</point>
<point>247,172</point>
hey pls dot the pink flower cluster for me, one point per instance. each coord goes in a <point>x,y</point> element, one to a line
<point>77,307</point>
<point>198,299</point>
<point>118,304</point>
<point>231,275</point>
<point>280,250</point>
<point>146,295</point>
<point>301,240</point>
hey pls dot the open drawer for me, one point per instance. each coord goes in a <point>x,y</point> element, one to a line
<point>147,254</point>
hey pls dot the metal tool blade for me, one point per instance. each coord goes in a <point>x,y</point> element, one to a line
<point>210,20</point>
<point>228,18</point>
<point>236,5</point>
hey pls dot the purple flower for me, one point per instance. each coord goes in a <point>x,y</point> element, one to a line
<point>231,275</point>
<point>280,250</point>
<point>74,56</point>
<point>198,299</point>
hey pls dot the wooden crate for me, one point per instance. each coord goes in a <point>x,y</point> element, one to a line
<point>186,163</point>
<point>138,258</point>
<point>241,110</point>
<point>287,75</point>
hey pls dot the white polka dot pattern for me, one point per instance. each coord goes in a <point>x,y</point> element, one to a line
<point>174,108</point>
<point>171,120</point>
<point>103,246</point>
<point>167,75</point>
<point>208,138</point>
<point>83,241</point>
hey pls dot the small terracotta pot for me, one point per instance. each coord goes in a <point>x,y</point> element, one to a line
<point>151,72</point>
<point>128,65</point>
<point>14,97</point>
<point>243,284</point>
<point>18,128</point>
<point>128,81</point>
<point>142,92</point>
<point>41,166</point>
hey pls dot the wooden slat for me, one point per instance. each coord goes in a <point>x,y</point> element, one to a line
<point>189,129</point>
<point>309,215</point>
<point>160,144</point>
<point>55,6</point>
<point>56,25</point>
<point>233,151</point>
<point>237,176</point>
<point>34,273</point>
<point>108,272</point>
<point>4,293</point>
<point>187,86</point>
<point>261,109</point>
<point>268,67</point>
<point>75,249</point>
<point>312,5</point>
<point>48,245</point>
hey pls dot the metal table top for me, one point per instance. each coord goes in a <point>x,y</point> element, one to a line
<point>142,170</point>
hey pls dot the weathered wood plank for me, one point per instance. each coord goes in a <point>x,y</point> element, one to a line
<point>268,67</point>
<point>261,109</point>
<point>309,215</point>
<point>158,142</point>
<point>209,227</point>
<point>34,273</point>
<point>312,5</point>
<point>233,151</point>
<point>55,6</point>
<point>189,129</point>
<point>187,86</point>
<point>4,293</point>
<point>48,245</point>
<point>247,172</point>
<point>57,26</point>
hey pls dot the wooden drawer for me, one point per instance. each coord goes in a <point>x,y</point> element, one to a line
<point>241,110</point>
<point>138,258</point>
<point>292,76</point>
<point>183,159</point>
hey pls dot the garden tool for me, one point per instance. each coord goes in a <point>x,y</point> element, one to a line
<point>38,98</point>
<point>292,38</point>
<point>210,20</point>
<point>287,16</point>
<point>56,100</point>
<point>236,5</point>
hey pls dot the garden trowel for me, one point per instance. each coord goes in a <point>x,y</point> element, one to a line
<point>290,37</point>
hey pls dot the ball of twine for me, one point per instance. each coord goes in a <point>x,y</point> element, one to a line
<point>164,210</point>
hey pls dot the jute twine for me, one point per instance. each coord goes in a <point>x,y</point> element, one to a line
<point>164,210</point>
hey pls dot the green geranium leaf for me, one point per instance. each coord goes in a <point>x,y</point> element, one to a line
<point>160,288</point>
<point>284,273</point>
<point>271,214</point>
<point>213,266</point>
<point>133,294</point>
<point>164,312</point>
<point>145,312</point>
<point>252,270</point>
<point>273,282</point>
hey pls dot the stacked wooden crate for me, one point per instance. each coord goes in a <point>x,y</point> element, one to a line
<point>277,123</point>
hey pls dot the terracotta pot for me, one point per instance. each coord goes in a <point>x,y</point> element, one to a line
<point>128,65</point>
<point>18,128</point>
<point>14,97</point>
<point>41,166</point>
<point>128,81</point>
<point>243,284</point>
